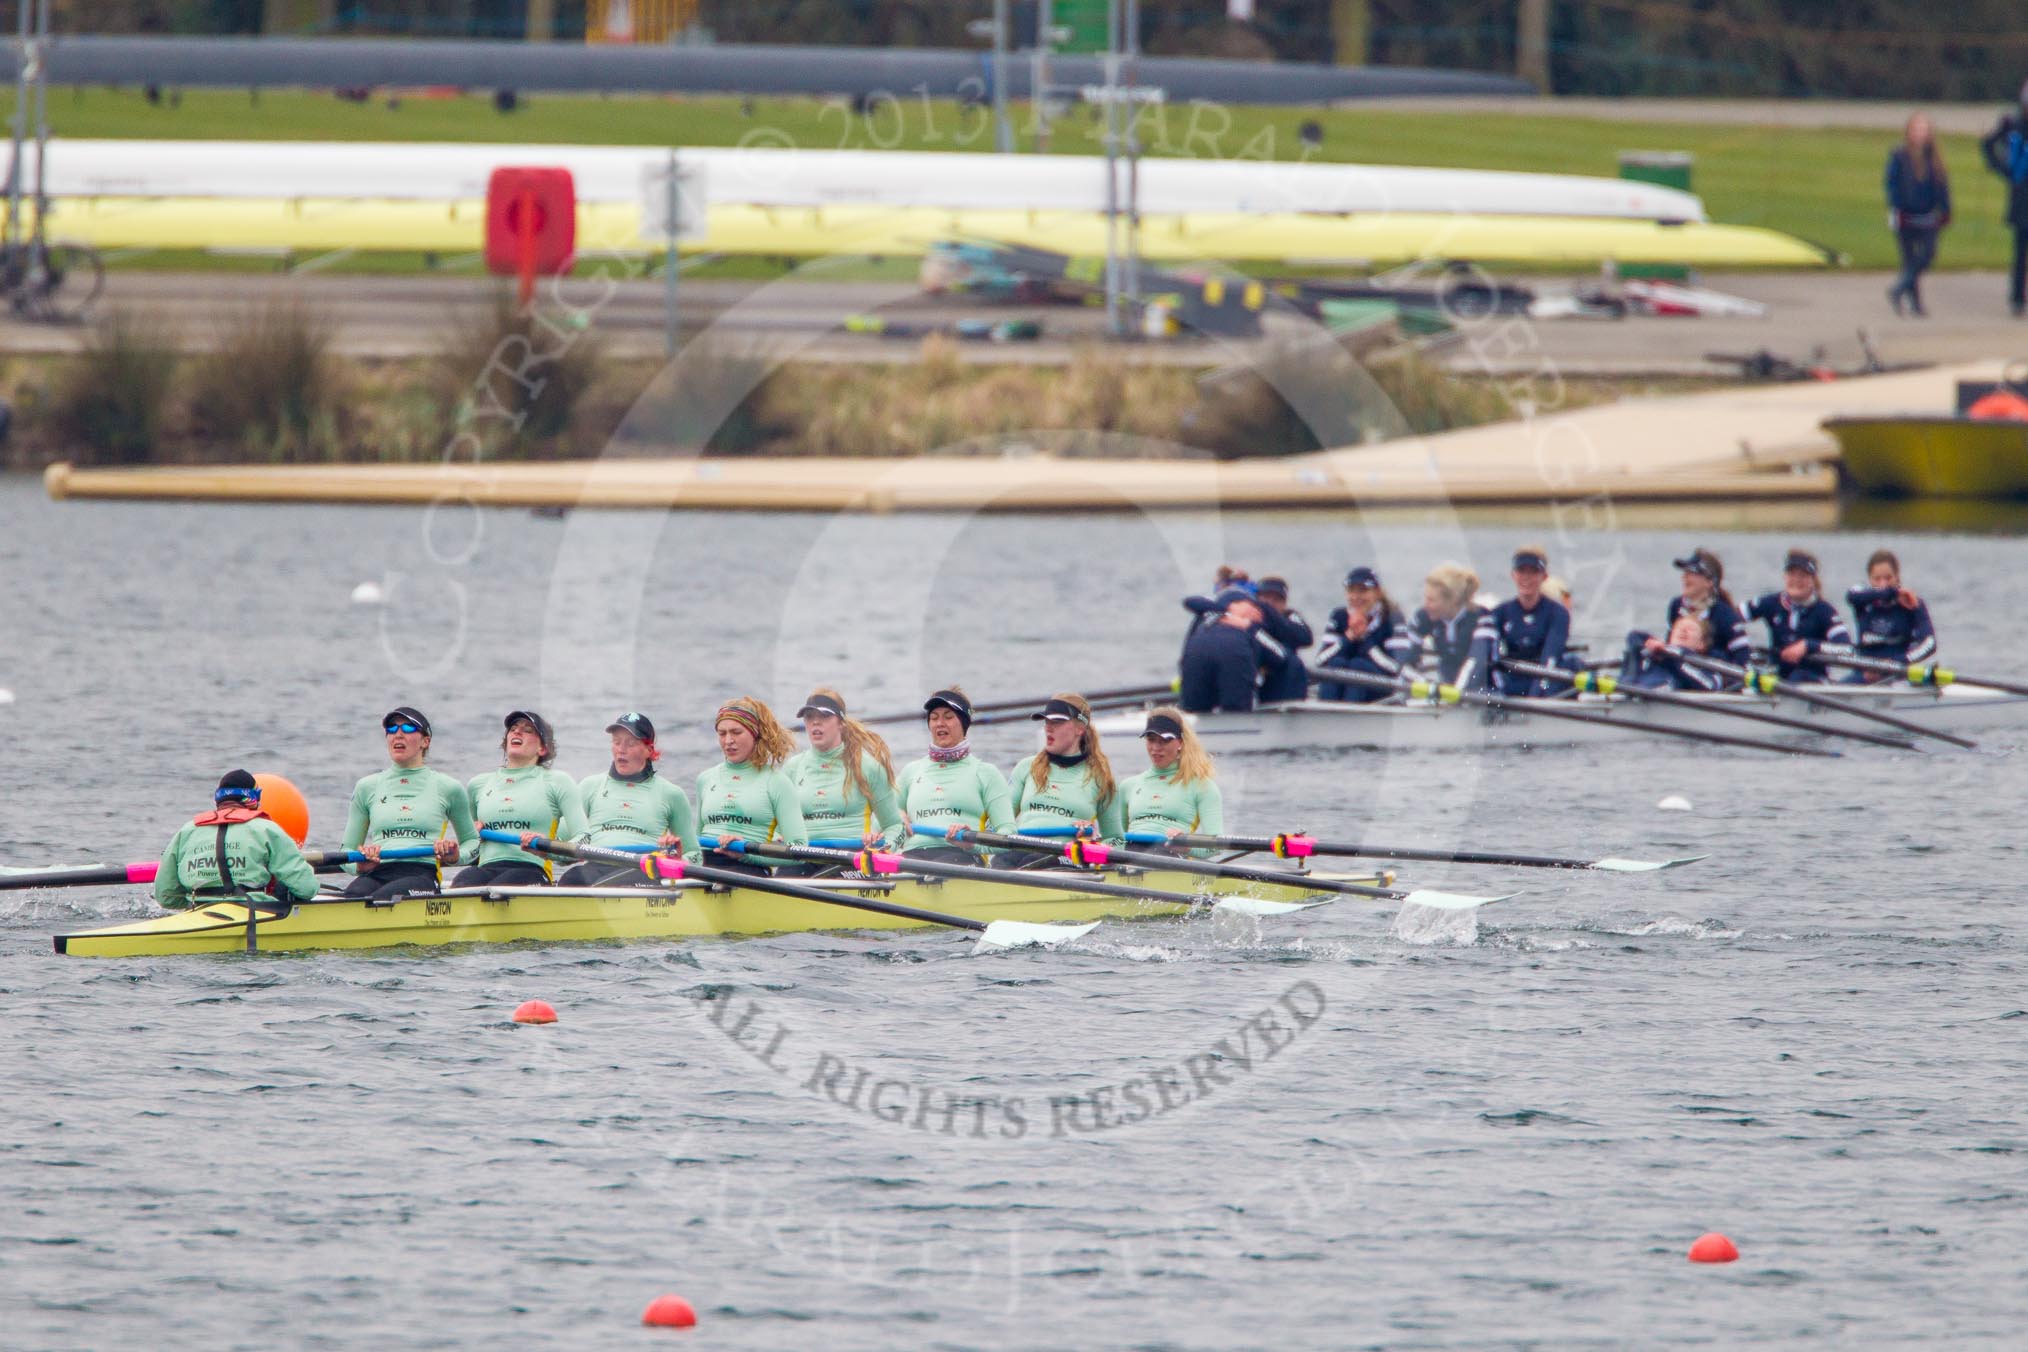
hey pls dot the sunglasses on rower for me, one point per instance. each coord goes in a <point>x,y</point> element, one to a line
<point>393,728</point>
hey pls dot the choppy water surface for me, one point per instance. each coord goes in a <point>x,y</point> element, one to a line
<point>1812,1042</point>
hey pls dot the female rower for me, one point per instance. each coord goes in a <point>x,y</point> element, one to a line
<point>950,786</point>
<point>845,778</point>
<point>1366,634</point>
<point>525,795</point>
<point>1455,628</point>
<point>1069,782</point>
<point>1704,594</point>
<point>406,804</point>
<point>259,857</point>
<point>1176,795</point>
<point>1892,621</point>
<point>747,796</point>
<point>1800,622</point>
<point>1657,664</point>
<point>1530,627</point>
<point>630,805</point>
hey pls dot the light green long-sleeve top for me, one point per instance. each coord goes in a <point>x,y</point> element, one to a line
<point>1158,802</point>
<point>1067,796</point>
<point>635,811</point>
<point>398,807</point>
<point>753,804</point>
<point>963,792</point>
<point>833,808</point>
<point>527,798</point>
<point>258,852</point>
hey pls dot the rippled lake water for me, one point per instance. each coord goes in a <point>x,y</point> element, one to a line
<point>1303,1132</point>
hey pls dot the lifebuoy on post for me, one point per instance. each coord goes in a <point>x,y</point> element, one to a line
<point>531,224</point>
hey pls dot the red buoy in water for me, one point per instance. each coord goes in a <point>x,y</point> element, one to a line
<point>1713,1248</point>
<point>285,806</point>
<point>669,1312</point>
<point>535,1011</point>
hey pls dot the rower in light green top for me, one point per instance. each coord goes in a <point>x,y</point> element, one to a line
<point>258,854</point>
<point>845,778</point>
<point>629,804</point>
<point>747,796</point>
<point>406,804</point>
<point>1176,795</point>
<point>950,786</point>
<point>526,797</point>
<point>1069,782</point>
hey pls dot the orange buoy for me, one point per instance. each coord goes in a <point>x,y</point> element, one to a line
<point>1713,1248</point>
<point>535,1011</point>
<point>285,805</point>
<point>2002,405</point>
<point>669,1312</point>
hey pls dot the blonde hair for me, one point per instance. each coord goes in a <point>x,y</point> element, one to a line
<point>1095,761</point>
<point>1458,584</point>
<point>858,742</point>
<point>1556,589</point>
<point>771,741</point>
<point>1193,762</point>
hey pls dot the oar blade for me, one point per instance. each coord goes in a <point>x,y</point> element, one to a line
<point>1643,865</point>
<point>1029,934</point>
<point>1262,906</point>
<point>1451,901</point>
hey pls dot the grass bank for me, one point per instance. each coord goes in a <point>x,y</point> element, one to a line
<point>271,390</point>
<point>1822,184</point>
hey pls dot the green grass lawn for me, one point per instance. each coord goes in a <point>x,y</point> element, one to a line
<point>1824,185</point>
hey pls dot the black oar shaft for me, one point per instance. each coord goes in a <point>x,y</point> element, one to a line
<point>1549,709</point>
<point>1125,692</point>
<point>758,883</point>
<point>1142,859</point>
<point>1915,673</point>
<point>104,876</point>
<point>1809,696</point>
<point>1297,847</point>
<point>931,868</point>
<point>1701,703</point>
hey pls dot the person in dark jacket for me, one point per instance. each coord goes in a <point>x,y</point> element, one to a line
<point>1222,660</point>
<point>1918,209</point>
<point>1704,594</point>
<point>1892,622</point>
<point>1453,629</point>
<point>1800,622</point>
<point>1283,635</point>
<point>1530,626</point>
<point>2006,150</point>
<point>1657,664</point>
<point>1366,634</point>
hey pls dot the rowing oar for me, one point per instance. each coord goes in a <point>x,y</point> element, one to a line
<point>1292,845</point>
<point>1592,682</point>
<point>1917,674</point>
<point>662,867</point>
<point>1128,692</point>
<point>1767,683</point>
<point>1092,854</point>
<point>1421,689</point>
<point>108,875</point>
<point>873,862</point>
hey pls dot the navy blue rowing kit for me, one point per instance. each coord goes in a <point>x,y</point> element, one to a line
<point>1663,669</point>
<point>1816,623</point>
<point>1383,650</point>
<point>1888,630</point>
<point>1221,669</point>
<point>1281,638</point>
<point>1539,635</point>
<point>1729,640</point>
<point>1462,645</point>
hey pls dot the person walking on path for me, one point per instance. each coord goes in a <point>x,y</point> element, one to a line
<point>2006,150</point>
<point>1918,208</point>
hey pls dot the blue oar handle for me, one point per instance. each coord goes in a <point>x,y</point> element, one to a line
<point>1067,832</point>
<point>401,852</point>
<point>737,846</point>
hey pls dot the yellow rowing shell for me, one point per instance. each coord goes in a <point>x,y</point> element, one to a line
<point>1375,238</point>
<point>684,912</point>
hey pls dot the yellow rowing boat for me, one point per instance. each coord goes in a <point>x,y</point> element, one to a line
<point>684,911</point>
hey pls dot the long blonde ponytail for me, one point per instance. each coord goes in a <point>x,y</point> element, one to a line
<point>857,743</point>
<point>1101,769</point>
